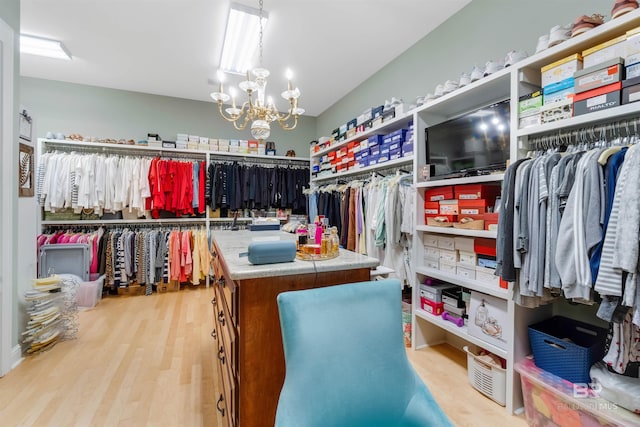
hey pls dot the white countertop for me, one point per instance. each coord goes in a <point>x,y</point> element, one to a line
<point>232,243</point>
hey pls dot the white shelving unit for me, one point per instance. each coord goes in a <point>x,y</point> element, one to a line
<point>508,83</point>
<point>398,122</point>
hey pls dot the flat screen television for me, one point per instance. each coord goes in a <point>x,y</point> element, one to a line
<point>471,144</point>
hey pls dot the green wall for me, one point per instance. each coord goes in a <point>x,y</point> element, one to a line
<point>110,113</point>
<point>481,31</point>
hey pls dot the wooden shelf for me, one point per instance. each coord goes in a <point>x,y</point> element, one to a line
<point>460,331</point>
<point>474,285</point>
<point>458,231</point>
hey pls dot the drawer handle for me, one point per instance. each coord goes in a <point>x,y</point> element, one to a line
<point>221,355</point>
<point>221,282</point>
<point>221,317</point>
<point>214,334</point>
<point>220,400</point>
<point>213,301</point>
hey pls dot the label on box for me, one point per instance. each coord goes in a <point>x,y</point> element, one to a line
<point>432,211</point>
<point>469,211</point>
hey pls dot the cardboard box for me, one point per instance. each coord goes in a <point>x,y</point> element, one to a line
<point>472,208</point>
<point>463,243</point>
<point>453,297</point>
<point>446,242</point>
<point>561,69</point>
<point>631,90</point>
<point>448,268</point>
<point>449,207</point>
<point>557,111</point>
<point>487,261</point>
<point>407,149</point>
<point>487,276</point>
<point>432,307</point>
<point>599,75</point>
<point>466,271</point>
<point>476,191</point>
<point>534,120</point>
<point>632,70</point>
<point>557,92</point>
<point>488,319</point>
<point>436,194</point>
<point>491,221</point>
<point>467,259</point>
<point>448,256</point>
<point>483,246</point>
<point>597,99</point>
<point>431,253</point>
<point>429,239</point>
<point>613,48</point>
<point>434,292</point>
<point>530,104</point>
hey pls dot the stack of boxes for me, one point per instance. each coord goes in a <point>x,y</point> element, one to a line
<point>475,201</point>
<point>375,149</point>
<point>598,78</point>
<point>467,257</point>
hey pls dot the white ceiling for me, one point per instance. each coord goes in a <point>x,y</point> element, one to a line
<point>172,47</point>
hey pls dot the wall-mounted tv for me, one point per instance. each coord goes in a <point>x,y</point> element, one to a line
<point>471,144</point>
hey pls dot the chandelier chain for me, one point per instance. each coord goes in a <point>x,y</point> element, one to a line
<point>260,45</point>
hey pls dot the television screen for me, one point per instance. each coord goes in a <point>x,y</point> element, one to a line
<point>470,144</point>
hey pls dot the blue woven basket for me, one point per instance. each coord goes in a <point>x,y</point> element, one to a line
<point>566,347</point>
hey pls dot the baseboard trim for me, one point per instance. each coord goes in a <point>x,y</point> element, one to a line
<point>16,356</point>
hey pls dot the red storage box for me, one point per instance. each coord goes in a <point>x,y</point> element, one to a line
<point>352,144</point>
<point>331,155</point>
<point>477,191</point>
<point>431,209</point>
<point>341,167</point>
<point>472,208</point>
<point>435,308</point>
<point>484,246</point>
<point>438,193</point>
<point>449,207</point>
<point>351,164</point>
<point>489,220</point>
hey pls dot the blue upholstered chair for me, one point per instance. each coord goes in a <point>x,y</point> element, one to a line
<point>346,364</point>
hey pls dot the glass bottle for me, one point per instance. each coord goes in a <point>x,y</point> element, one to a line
<point>335,242</point>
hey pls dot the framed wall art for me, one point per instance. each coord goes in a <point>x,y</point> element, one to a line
<point>25,171</point>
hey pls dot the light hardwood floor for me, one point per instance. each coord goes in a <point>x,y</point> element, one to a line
<point>149,361</point>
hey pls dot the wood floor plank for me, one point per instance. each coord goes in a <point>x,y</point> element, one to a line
<point>150,361</point>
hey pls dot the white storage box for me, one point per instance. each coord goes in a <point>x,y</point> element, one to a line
<point>90,293</point>
<point>487,275</point>
<point>446,242</point>
<point>447,268</point>
<point>488,319</point>
<point>466,271</point>
<point>467,258</point>
<point>448,257</point>
<point>430,240</point>
<point>464,243</point>
<point>432,263</point>
<point>431,253</point>
<point>488,379</point>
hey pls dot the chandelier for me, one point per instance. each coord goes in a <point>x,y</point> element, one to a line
<point>258,109</point>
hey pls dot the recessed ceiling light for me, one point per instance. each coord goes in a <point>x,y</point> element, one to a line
<point>43,47</point>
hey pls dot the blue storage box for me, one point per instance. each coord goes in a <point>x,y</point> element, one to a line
<point>385,148</point>
<point>374,151</point>
<point>566,347</point>
<point>374,140</point>
<point>407,149</point>
<point>398,135</point>
<point>395,145</point>
<point>373,159</point>
<point>383,158</point>
<point>556,87</point>
<point>387,139</point>
<point>395,153</point>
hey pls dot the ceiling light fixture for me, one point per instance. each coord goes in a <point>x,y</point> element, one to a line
<point>257,109</point>
<point>241,38</point>
<point>43,47</point>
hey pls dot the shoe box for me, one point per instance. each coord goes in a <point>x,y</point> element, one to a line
<point>529,109</point>
<point>614,48</point>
